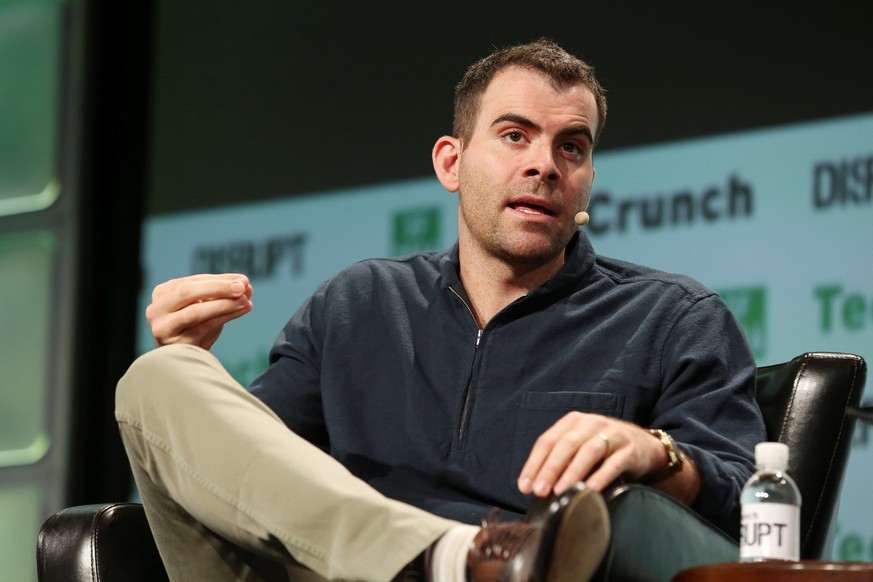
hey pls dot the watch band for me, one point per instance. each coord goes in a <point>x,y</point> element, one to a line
<point>675,457</point>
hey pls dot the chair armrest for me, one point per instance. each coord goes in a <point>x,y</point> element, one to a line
<point>98,542</point>
<point>654,537</point>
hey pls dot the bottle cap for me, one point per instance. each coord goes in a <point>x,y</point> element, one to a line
<point>769,455</point>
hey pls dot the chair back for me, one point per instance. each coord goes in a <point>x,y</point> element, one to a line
<point>804,404</point>
<point>93,543</point>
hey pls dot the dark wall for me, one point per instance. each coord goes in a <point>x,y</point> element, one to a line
<point>262,99</point>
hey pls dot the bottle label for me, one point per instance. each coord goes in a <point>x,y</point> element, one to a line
<point>770,531</point>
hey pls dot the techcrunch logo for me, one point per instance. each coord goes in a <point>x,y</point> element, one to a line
<point>848,310</point>
<point>749,306</point>
<point>686,207</point>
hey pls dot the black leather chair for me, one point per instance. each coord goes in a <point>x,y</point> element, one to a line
<point>804,402</point>
<point>108,542</point>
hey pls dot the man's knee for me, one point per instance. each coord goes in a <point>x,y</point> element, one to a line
<point>158,377</point>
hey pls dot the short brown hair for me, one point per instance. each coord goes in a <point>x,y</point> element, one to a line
<point>543,56</point>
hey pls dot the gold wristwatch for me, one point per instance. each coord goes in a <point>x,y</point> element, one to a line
<point>674,455</point>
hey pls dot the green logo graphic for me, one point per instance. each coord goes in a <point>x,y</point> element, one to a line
<point>749,306</point>
<point>416,229</point>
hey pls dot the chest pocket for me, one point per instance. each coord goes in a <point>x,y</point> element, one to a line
<point>537,411</point>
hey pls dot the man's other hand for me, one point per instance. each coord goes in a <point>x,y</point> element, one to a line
<point>597,450</point>
<point>193,310</point>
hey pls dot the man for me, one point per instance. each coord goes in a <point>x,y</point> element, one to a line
<point>409,397</point>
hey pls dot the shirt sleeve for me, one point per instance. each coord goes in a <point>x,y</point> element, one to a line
<point>708,405</point>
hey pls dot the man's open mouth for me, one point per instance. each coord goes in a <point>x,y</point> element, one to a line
<point>531,208</point>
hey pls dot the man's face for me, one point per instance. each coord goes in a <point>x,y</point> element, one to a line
<point>527,168</point>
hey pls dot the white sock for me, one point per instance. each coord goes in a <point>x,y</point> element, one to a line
<point>449,556</point>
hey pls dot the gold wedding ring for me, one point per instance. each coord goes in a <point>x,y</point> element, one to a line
<point>606,442</point>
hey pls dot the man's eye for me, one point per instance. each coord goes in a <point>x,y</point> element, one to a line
<point>514,136</point>
<point>575,150</point>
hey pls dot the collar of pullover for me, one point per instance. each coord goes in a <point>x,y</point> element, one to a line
<point>577,266</point>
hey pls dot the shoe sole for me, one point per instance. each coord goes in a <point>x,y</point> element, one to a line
<point>570,542</point>
<point>582,538</point>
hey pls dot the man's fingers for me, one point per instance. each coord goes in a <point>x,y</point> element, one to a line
<point>194,309</point>
<point>590,448</point>
<point>220,309</point>
<point>609,470</point>
<point>530,473</point>
<point>591,456</point>
<point>561,457</point>
<point>187,327</point>
<point>179,293</point>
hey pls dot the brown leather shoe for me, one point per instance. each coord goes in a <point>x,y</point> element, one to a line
<point>562,539</point>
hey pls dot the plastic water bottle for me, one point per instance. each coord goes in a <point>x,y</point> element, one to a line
<point>770,506</point>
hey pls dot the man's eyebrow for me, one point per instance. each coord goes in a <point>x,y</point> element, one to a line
<point>574,130</point>
<point>517,119</point>
<point>578,130</point>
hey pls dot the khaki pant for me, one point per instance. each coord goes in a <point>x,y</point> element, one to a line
<point>232,494</point>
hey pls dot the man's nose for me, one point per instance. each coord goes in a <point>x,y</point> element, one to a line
<point>542,163</point>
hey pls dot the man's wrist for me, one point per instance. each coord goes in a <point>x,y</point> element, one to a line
<point>674,455</point>
<point>682,479</point>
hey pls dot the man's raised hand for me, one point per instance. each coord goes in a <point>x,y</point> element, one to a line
<point>193,310</point>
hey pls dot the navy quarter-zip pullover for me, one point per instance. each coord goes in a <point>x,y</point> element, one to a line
<point>385,368</point>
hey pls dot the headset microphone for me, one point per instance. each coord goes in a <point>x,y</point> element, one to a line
<point>582,218</point>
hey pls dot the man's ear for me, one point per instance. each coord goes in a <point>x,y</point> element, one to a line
<point>446,157</point>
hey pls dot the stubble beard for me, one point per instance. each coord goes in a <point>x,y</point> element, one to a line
<point>530,245</point>
<point>536,253</point>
